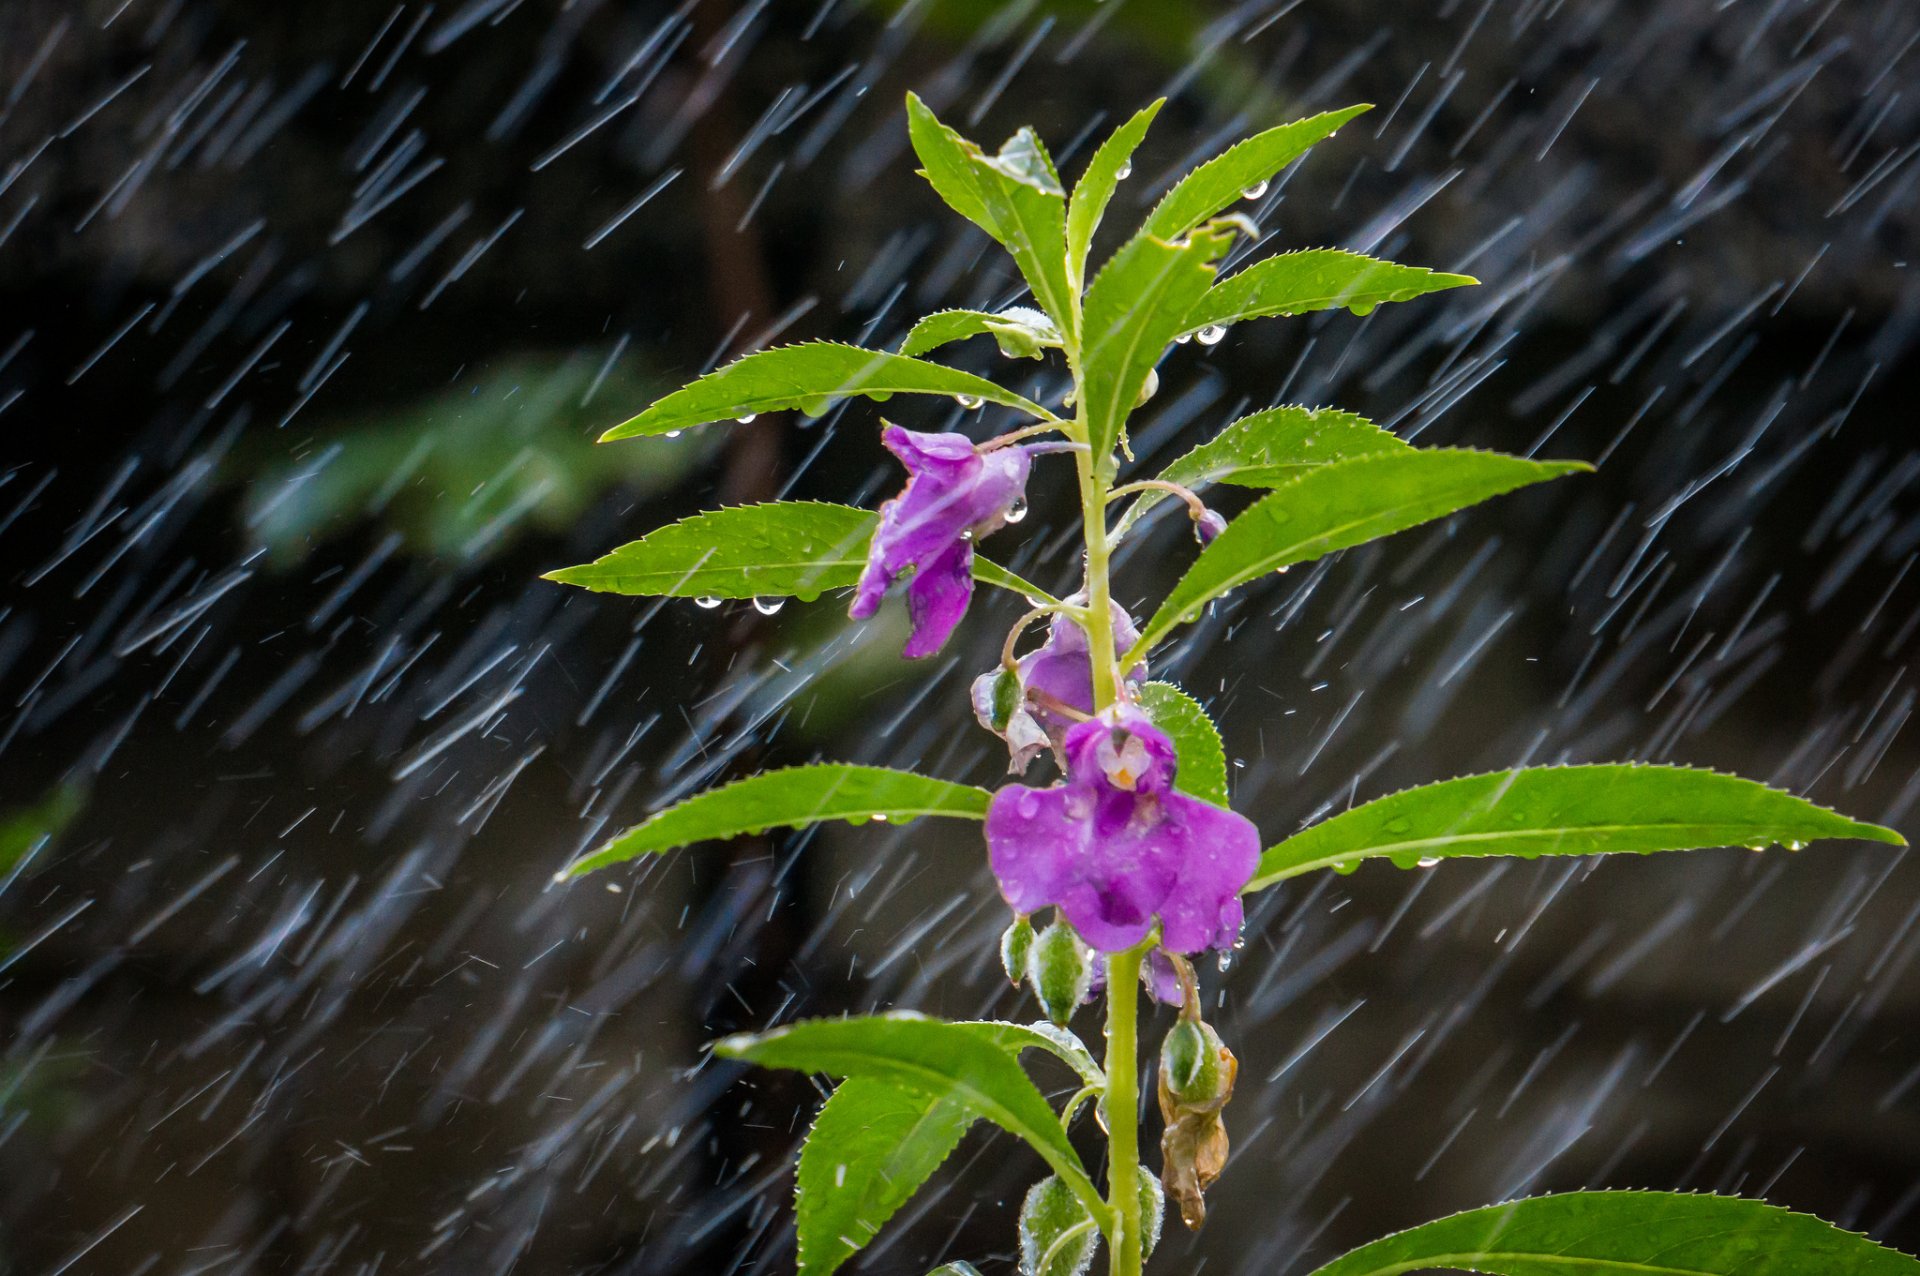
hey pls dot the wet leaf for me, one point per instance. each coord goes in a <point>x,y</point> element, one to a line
<point>1568,810</point>
<point>1022,332</point>
<point>790,798</point>
<point>1268,449</point>
<point>1014,196</point>
<point>870,1149</point>
<point>1339,505</point>
<point>25,830</point>
<point>811,377</point>
<point>797,548</point>
<point>1315,279</point>
<point>1222,180</point>
<point>1135,307</point>
<point>1094,190</point>
<point>1627,1234</point>
<point>1196,741</point>
<point>953,1062</point>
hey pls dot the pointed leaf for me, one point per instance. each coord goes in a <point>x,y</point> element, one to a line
<point>1014,196</point>
<point>1269,449</point>
<point>949,1061</point>
<point>1196,741</point>
<point>811,377</point>
<point>1223,179</point>
<point>1335,506</point>
<point>796,548</point>
<point>1566,810</point>
<point>1136,305</point>
<point>1315,279</point>
<point>872,1146</point>
<point>1094,190</point>
<point>1023,333</point>
<point>790,798</point>
<point>1627,1234</point>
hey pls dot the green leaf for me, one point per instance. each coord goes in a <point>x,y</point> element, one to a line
<point>1137,304</point>
<point>1014,196</point>
<point>1059,1042</point>
<point>790,798</point>
<point>797,548</point>
<point>1023,333</point>
<point>872,1146</point>
<point>1567,810</point>
<point>1269,449</point>
<point>1223,179</point>
<point>1627,1234</point>
<point>1196,741</point>
<point>1339,505</point>
<point>1094,190</point>
<point>1315,279</point>
<point>1057,1235</point>
<point>811,377</point>
<point>949,1061</point>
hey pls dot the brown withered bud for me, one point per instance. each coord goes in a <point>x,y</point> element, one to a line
<point>1197,1072</point>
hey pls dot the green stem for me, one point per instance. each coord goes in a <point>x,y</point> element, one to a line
<point>1123,1113</point>
<point>1123,1232</point>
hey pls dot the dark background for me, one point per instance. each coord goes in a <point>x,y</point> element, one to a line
<point>308,311</point>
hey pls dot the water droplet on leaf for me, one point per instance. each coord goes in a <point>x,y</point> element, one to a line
<point>707,601</point>
<point>1016,511</point>
<point>768,606</point>
<point>1210,335</point>
<point>1254,191</point>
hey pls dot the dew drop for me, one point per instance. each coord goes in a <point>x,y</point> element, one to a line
<point>748,419</point>
<point>707,601</point>
<point>1362,309</point>
<point>671,434</point>
<point>1427,861</point>
<point>1225,959</point>
<point>1016,511</point>
<point>880,817</point>
<point>1183,338</point>
<point>1254,191</point>
<point>1210,335</point>
<point>768,606</point>
<point>1126,171</point>
<point>971,402</point>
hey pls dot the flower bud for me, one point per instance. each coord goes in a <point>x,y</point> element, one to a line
<point>1208,525</point>
<point>1153,1209</point>
<point>1060,968</point>
<point>1016,944</point>
<point>1049,1213</point>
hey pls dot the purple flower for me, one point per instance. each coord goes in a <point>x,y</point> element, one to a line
<point>955,494</point>
<point>1115,847</point>
<point>1059,672</point>
<point>1208,526</point>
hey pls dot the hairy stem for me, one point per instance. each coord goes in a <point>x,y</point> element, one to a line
<point>1124,1246</point>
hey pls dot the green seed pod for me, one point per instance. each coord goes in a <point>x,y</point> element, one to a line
<point>1016,944</point>
<point>1050,1245</point>
<point>1007,693</point>
<point>1190,1062</point>
<point>1060,968</point>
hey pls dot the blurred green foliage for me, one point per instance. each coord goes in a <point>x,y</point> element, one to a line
<point>460,473</point>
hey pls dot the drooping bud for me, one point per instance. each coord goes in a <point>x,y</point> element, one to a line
<point>1197,1072</point>
<point>1060,968</point>
<point>1016,944</point>
<point>1209,525</point>
<point>1056,1236</point>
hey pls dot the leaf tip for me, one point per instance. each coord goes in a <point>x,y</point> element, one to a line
<point>1878,833</point>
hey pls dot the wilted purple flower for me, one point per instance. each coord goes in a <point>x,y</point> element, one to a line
<point>1115,847</point>
<point>955,494</point>
<point>1058,672</point>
